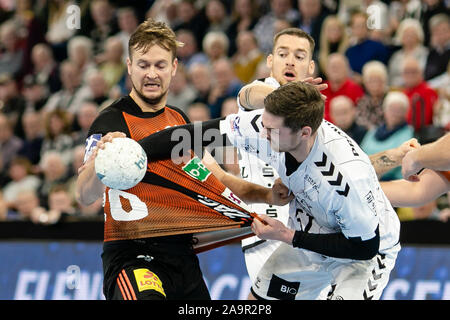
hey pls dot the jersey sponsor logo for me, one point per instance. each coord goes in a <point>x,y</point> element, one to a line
<point>91,142</point>
<point>196,169</point>
<point>231,213</point>
<point>234,125</point>
<point>282,289</point>
<point>147,280</point>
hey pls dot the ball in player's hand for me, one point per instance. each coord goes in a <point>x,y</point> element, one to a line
<point>121,164</point>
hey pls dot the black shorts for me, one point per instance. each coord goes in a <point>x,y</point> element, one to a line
<point>152,269</point>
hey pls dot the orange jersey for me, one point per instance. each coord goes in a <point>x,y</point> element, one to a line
<point>446,174</point>
<point>172,198</point>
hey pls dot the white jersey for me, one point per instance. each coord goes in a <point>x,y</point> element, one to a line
<point>336,188</point>
<point>260,172</point>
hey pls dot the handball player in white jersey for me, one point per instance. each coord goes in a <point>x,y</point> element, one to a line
<point>290,60</point>
<point>343,234</point>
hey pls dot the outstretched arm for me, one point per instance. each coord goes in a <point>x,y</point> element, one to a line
<point>404,193</point>
<point>435,155</point>
<point>247,191</point>
<point>392,158</point>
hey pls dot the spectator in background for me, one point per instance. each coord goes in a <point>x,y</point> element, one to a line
<point>34,93</point>
<point>216,16</point>
<point>4,211</point>
<point>45,68</point>
<point>22,179</point>
<point>229,106</point>
<point>9,143</point>
<point>26,206</point>
<point>422,98</point>
<point>248,56</point>
<point>333,38</point>
<point>11,53</point>
<point>200,77</point>
<point>84,118</point>
<point>198,112</point>
<point>244,16</point>
<point>310,19</point>
<point>215,45</point>
<point>113,68</point>
<point>34,137</point>
<point>362,49</point>
<point>31,31</point>
<point>98,88</point>
<point>79,52</point>
<point>57,134</point>
<point>55,171</point>
<point>57,31</point>
<point>343,115</point>
<point>181,93</point>
<point>105,26</point>
<point>410,36</point>
<point>369,110</point>
<point>225,85</point>
<point>264,28</point>
<point>12,103</point>
<point>439,55</point>
<point>393,132</point>
<point>72,93</point>
<point>189,54</point>
<point>188,17</point>
<point>431,8</point>
<point>128,22</point>
<point>60,204</point>
<point>403,9</point>
<point>339,82</point>
<point>442,86</point>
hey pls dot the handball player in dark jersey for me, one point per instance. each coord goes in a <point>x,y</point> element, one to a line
<point>137,265</point>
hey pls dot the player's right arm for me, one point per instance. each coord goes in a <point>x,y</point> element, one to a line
<point>253,94</point>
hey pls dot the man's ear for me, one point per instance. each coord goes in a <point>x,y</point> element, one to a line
<point>269,61</point>
<point>174,67</point>
<point>306,132</point>
<point>312,67</point>
<point>129,65</point>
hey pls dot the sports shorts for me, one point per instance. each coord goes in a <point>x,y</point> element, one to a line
<point>152,269</point>
<point>297,274</point>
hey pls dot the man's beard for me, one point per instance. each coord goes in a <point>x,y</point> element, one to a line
<point>150,101</point>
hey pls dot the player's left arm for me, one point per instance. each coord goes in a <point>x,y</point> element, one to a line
<point>403,193</point>
<point>359,238</point>
<point>386,160</point>
<point>247,191</point>
<point>435,155</point>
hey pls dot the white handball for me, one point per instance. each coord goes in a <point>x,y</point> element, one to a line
<point>122,164</point>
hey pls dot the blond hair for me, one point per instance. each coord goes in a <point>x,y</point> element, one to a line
<point>150,33</point>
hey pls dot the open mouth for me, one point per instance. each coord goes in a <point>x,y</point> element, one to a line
<point>151,85</point>
<point>289,75</point>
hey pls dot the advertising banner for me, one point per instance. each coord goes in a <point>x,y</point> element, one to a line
<point>66,270</point>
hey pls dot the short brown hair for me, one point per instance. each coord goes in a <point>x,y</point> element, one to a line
<point>151,32</point>
<point>298,33</point>
<point>299,104</point>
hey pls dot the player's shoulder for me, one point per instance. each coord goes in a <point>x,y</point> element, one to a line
<point>178,112</point>
<point>340,147</point>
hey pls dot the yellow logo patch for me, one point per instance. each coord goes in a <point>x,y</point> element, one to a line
<point>147,280</point>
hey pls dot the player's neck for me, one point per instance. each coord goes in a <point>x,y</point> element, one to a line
<point>302,151</point>
<point>147,107</point>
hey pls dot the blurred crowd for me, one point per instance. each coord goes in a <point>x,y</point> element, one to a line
<point>386,64</point>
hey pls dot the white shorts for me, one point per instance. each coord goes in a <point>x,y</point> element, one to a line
<point>297,274</point>
<point>257,253</point>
